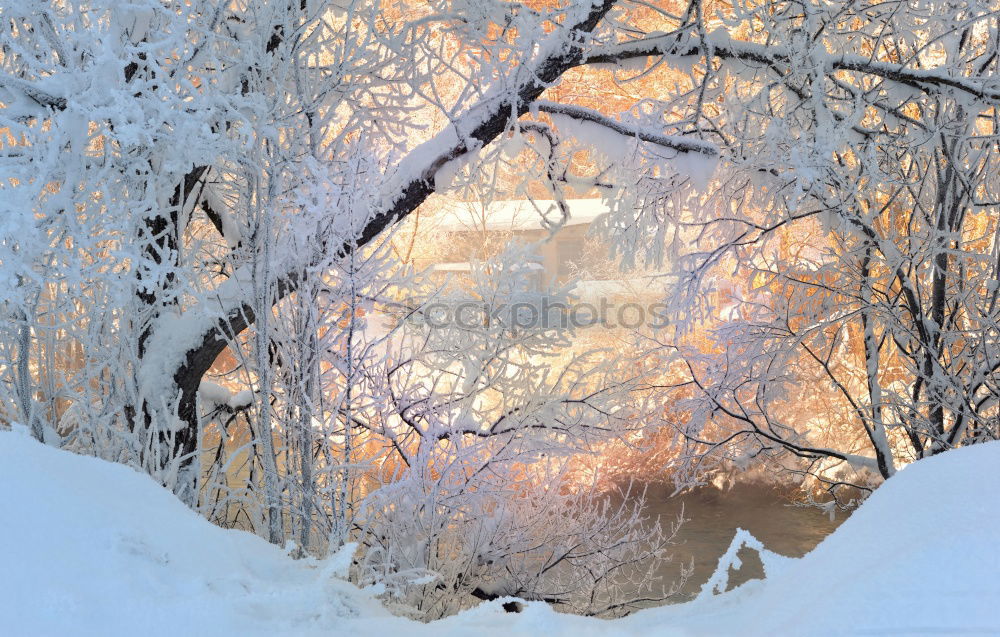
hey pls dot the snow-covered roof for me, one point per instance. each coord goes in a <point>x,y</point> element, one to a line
<point>463,266</point>
<point>587,289</point>
<point>517,214</point>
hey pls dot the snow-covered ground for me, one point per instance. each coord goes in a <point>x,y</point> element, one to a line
<point>89,547</point>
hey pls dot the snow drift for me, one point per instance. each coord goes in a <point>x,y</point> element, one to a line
<point>89,547</point>
<point>94,548</point>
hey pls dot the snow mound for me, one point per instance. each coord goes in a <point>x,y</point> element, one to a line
<point>88,547</point>
<point>93,548</point>
<point>920,557</point>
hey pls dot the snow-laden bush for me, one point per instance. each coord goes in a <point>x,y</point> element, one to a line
<point>437,546</point>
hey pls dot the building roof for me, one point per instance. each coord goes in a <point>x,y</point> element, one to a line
<point>518,214</point>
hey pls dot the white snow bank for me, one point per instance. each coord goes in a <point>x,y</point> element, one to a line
<point>89,547</point>
<point>921,556</point>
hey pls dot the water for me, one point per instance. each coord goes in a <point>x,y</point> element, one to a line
<point>713,517</point>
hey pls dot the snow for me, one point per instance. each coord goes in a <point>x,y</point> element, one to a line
<point>719,580</point>
<point>94,548</point>
<point>241,399</point>
<point>920,556</point>
<point>90,547</point>
<point>444,177</point>
<point>213,393</point>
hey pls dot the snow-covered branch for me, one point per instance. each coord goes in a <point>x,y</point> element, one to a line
<point>678,143</point>
<point>672,46</point>
<point>38,95</point>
